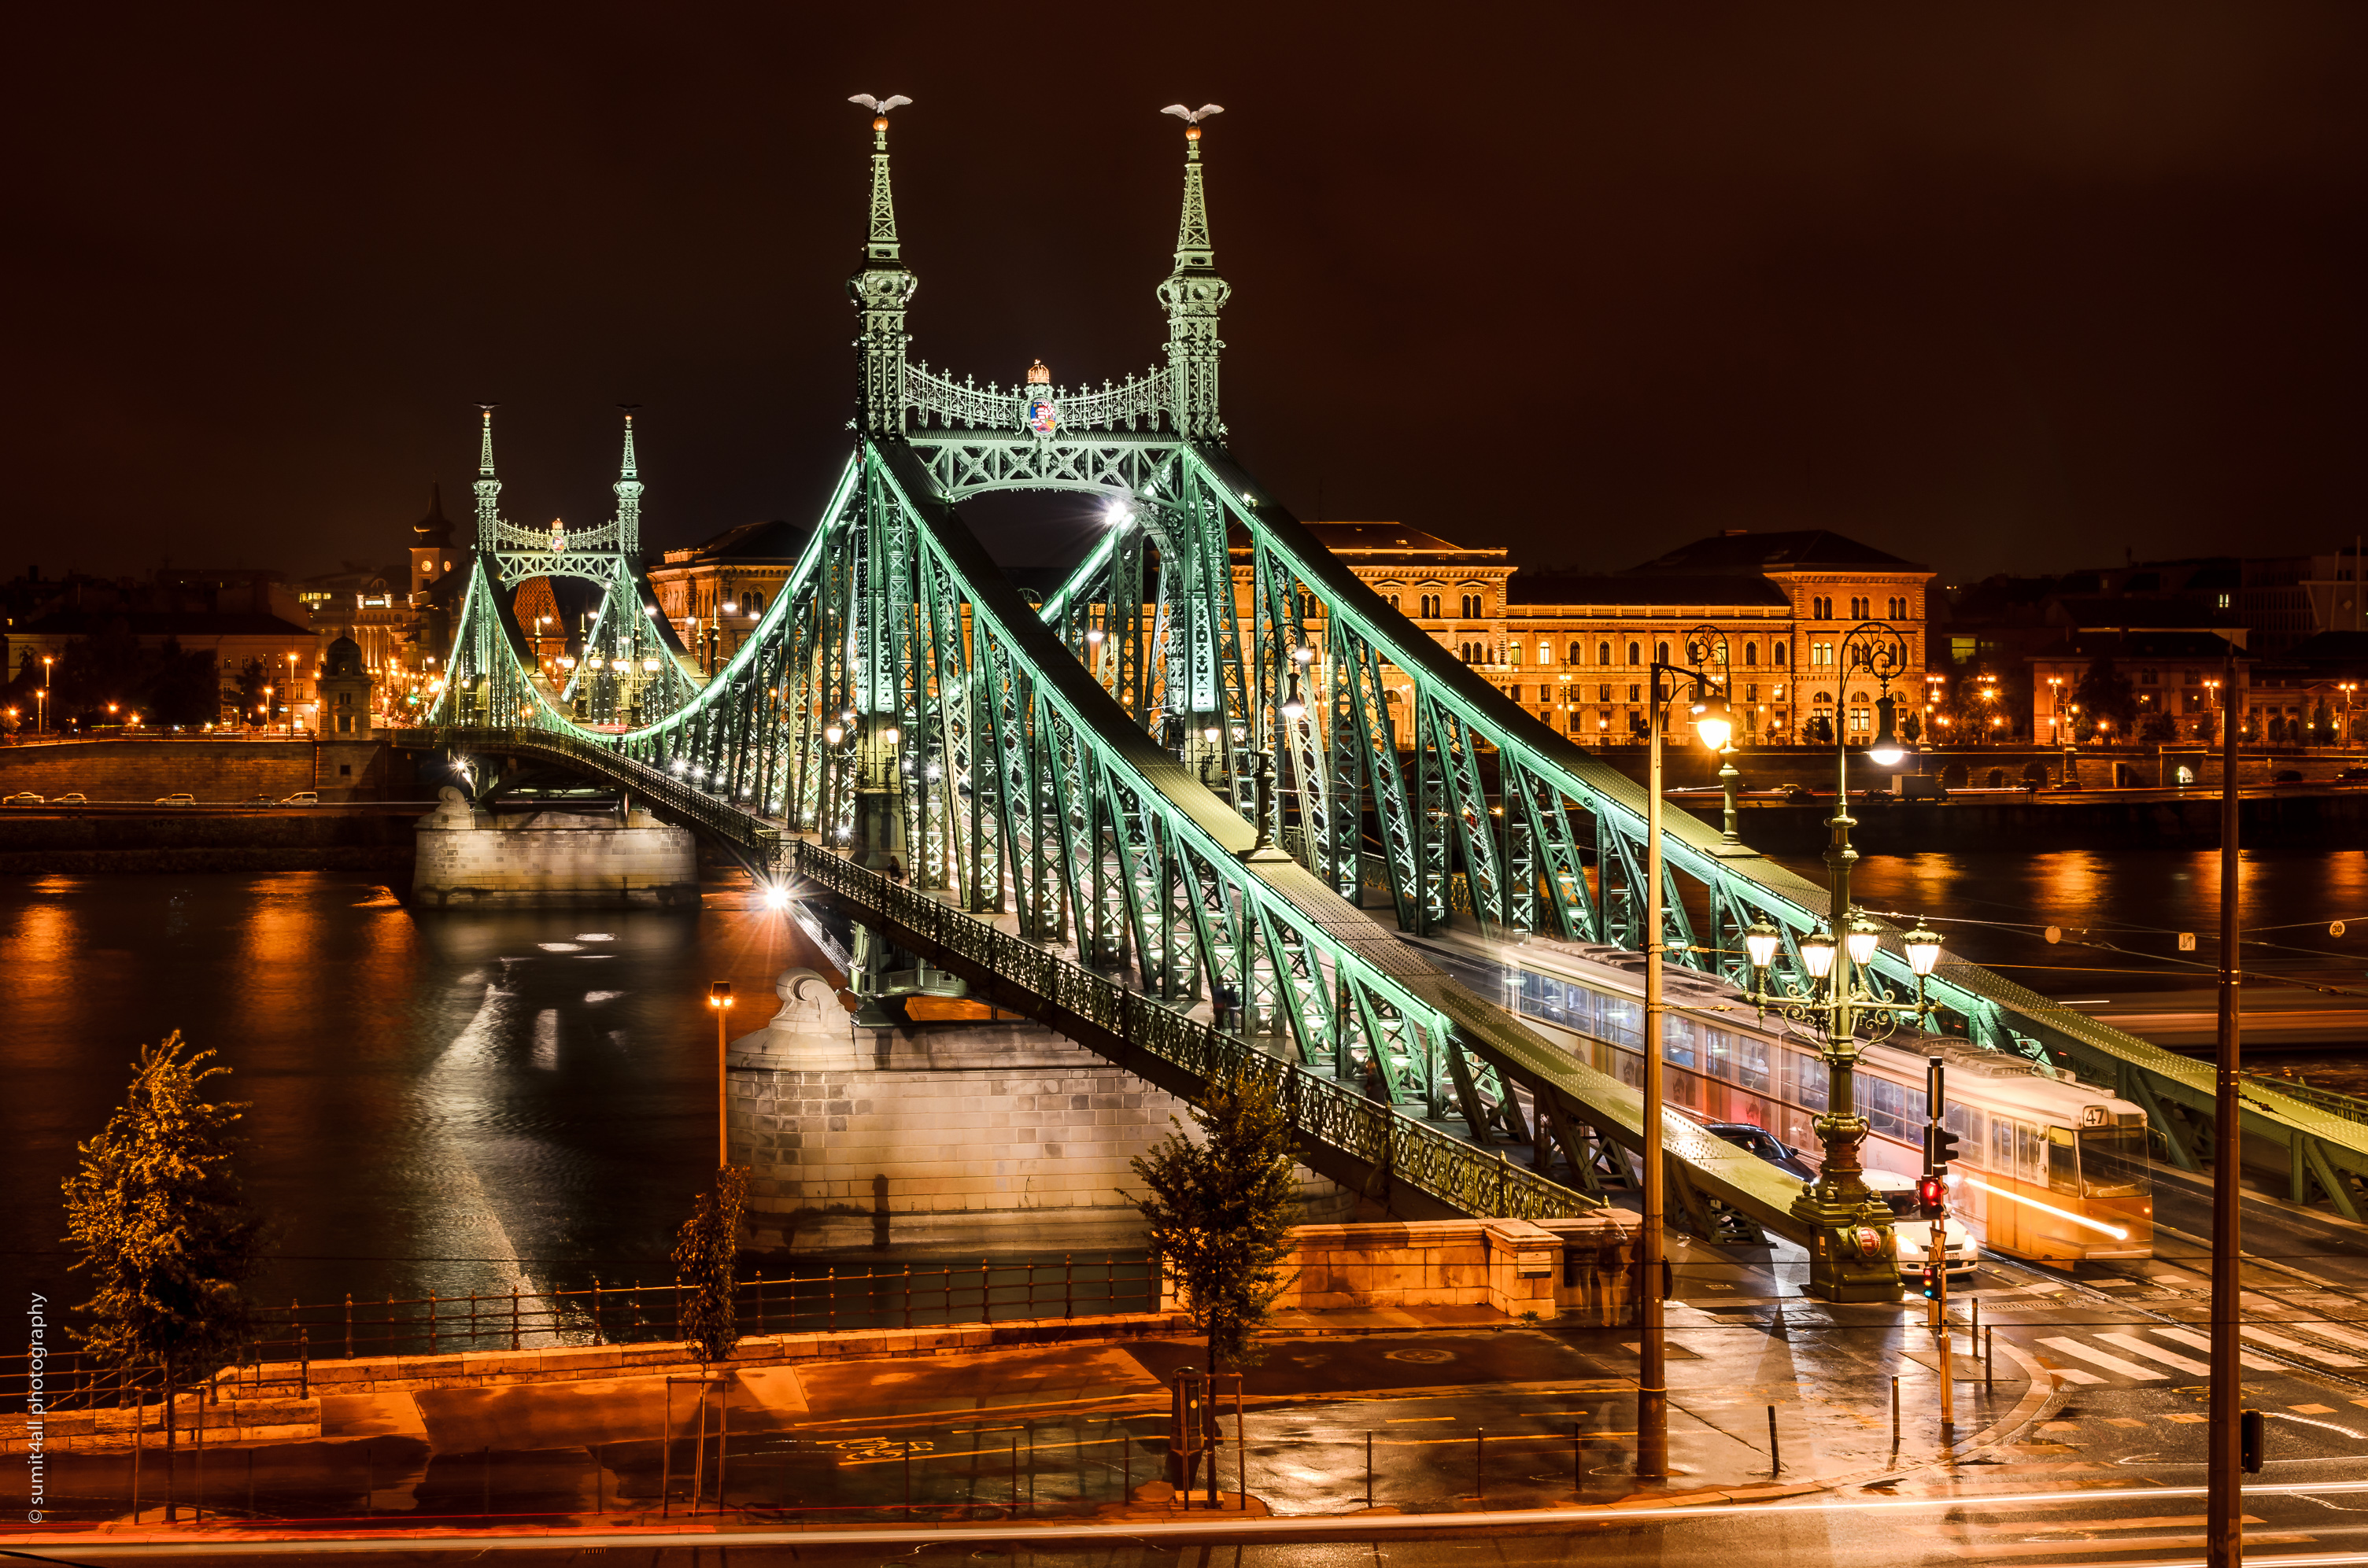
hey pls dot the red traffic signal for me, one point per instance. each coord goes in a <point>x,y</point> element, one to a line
<point>1931,1195</point>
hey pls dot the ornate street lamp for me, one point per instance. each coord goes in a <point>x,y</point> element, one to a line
<point>1853,1255</point>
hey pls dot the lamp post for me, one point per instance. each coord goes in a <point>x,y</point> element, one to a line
<point>1713,724</point>
<point>719,999</point>
<point>1852,1252</point>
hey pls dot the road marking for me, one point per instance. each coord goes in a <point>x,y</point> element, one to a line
<point>2111,1363</point>
<point>2131,1343</point>
<point>2189,1336</point>
<point>2296,1348</point>
<point>2337,1331</point>
<point>2187,1418</point>
<point>1401,1420</point>
<point>2313,1409</point>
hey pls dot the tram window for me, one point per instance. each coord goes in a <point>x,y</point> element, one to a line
<point>1677,1041</point>
<point>2030,1154</point>
<point>2063,1168</point>
<point>1966,1121</point>
<point>2002,1156</point>
<point>2113,1162</point>
<point>1622,1021</point>
<point>1750,1061</point>
<point>1805,1079</point>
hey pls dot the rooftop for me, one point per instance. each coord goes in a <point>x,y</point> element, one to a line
<point>767,541</point>
<point>1640,589</point>
<point>1739,549</point>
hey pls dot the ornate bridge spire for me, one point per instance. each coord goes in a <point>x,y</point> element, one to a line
<point>628,497</point>
<point>489,489</point>
<point>880,288</point>
<point>1193,294</point>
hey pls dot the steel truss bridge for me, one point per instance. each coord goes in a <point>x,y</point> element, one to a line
<point>1086,796</point>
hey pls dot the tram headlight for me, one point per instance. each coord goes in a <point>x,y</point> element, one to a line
<point>1817,953</point>
<point>1761,941</point>
<point>1923,945</point>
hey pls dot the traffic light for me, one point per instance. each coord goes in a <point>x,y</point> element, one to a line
<point>2249,1440</point>
<point>1940,1147</point>
<point>1932,1281</point>
<point>1932,1197</point>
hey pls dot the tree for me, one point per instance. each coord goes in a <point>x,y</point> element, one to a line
<point>155,1214</point>
<point>2157,727</point>
<point>1819,731</point>
<point>1911,727</point>
<point>1220,1211</point>
<point>706,1264</point>
<point>2105,693</point>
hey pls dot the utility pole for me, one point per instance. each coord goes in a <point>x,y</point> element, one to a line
<point>2223,1543</point>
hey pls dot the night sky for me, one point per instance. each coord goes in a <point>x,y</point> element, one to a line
<point>1993,288</point>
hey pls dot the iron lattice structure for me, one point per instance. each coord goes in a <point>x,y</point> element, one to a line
<point>1105,778</point>
<point>633,666</point>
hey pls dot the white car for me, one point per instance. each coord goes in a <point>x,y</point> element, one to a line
<point>1915,1233</point>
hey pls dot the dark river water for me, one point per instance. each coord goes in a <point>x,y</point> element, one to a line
<point>466,1102</point>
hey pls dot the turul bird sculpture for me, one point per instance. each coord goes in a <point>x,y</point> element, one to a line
<point>1194,116</point>
<point>878,106</point>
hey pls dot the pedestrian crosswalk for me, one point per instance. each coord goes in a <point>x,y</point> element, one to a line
<point>2154,1353</point>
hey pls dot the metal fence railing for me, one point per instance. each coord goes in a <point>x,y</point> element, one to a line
<point>816,1298</point>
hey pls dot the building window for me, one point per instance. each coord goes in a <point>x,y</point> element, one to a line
<point>2150,678</point>
<point>1776,655</point>
<point>1632,693</point>
<point>1858,723</point>
<point>1545,655</point>
<point>1602,694</point>
<point>1602,654</point>
<point>1430,607</point>
<point>752,603</point>
<point>1513,656</point>
<point>1516,694</point>
<point>1661,652</point>
<point>1821,609</point>
<point>1394,601</point>
<point>2190,677</point>
<point>1635,652</point>
<point>1750,655</point>
<point>1820,654</point>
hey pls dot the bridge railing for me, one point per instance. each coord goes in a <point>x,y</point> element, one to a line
<point>674,796</point>
<point>1321,1110</point>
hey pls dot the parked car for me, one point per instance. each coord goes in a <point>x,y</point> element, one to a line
<point>1915,1233</point>
<point>261,801</point>
<point>22,798</point>
<point>304,798</point>
<point>71,798</point>
<point>184,798</point>
<point>1764,1144</point>
<point>2353,773</point>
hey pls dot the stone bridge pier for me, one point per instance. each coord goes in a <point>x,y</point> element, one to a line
<point>992,1134</point>
<point>468,857</point>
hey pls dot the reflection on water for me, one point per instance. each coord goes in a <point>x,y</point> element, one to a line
<point>2121,913</point>
<point>1992,908</point>
<point>456,1102</point>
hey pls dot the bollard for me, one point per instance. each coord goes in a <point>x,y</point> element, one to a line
<point>1895,1415</point>
<point>1578,1459</point>
<point>1775,1453</point>
<point>909,1477</point>
<point>1989,1365</point>
<point>1479,1436</point>
<point>1369,1470</point>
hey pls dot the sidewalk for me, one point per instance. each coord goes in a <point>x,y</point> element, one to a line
<point>1457,1408</point>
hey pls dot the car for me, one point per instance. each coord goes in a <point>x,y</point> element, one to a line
<point>261,801</point>
<point>71,798</point>
<point>2353,773</point>
<point>304,798</point>
<point>1914,1232</point>
<point>22,798</point>
<point>1766,1144</point>
<point>184,798</point>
